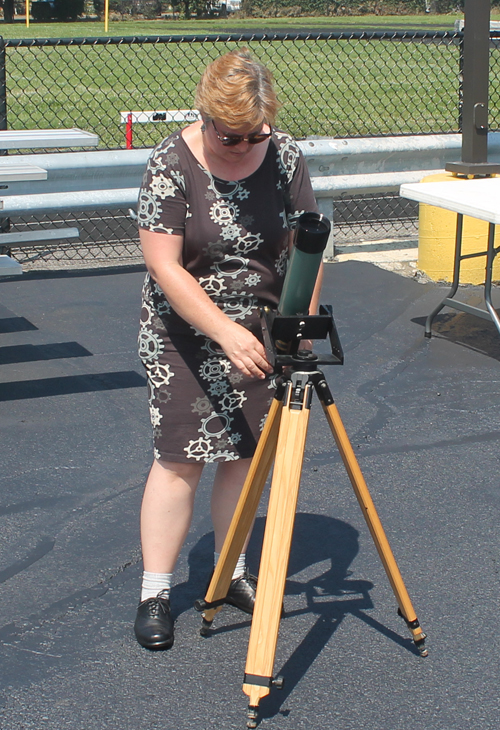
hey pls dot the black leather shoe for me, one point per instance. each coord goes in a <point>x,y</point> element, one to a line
<point>241,592</point>
<point>154,627</point>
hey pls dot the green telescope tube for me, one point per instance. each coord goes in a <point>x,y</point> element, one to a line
<point>310,239</point>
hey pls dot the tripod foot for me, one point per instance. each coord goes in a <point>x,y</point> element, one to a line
<point>253,714</point>
<point>418,635</point>
<point>206,626</point>
<point>420,644</point>
<point>208,611</point>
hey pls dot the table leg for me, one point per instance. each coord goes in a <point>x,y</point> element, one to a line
<point>456,276</point>
<point>490,257</point>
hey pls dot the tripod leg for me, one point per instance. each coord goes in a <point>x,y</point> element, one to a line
<point>243,517</point>
<point>406,609</point>
<point>276,546</point>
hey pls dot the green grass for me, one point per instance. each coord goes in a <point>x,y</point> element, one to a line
<point>95,28</point>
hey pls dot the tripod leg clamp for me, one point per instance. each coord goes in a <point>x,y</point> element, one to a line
<point>258,680</point>
<point>201,605</point>
<point>261,681</point>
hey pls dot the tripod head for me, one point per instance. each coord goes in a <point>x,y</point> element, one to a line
<point>284,329</point>
<point>282,337</point>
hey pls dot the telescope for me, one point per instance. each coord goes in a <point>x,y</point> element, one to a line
<point>284,329</point>
<point>309,242</point>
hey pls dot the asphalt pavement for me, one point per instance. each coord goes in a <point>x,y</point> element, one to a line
<point>423,418</point>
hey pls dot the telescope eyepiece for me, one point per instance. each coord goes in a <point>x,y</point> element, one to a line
<point>311,233</point>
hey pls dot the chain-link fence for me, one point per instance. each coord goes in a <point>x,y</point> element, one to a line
<point>107,238</point>
<point>331,84</point>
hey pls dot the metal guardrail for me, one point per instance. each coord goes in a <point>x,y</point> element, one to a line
<point>109,179</point>
<point>79,181</point>
<point>75,172</point>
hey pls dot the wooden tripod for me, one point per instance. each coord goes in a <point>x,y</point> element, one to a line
<point>283,440</point>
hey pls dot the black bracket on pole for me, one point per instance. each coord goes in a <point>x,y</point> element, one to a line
<point>476,70</point>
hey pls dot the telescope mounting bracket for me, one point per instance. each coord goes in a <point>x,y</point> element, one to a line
<point>283,335</point>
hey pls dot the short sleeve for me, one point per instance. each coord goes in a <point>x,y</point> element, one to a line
<point>299,195</point>
<point>162,198</point>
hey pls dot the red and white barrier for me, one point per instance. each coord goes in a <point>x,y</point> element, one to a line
<point>147,117</point>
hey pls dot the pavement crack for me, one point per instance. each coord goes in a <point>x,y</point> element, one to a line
<point>44,546</point>
<point>328,457</point>
<point>370,391</point>
<point>58,609</point>
<point>31,651</point>
<point>445,443</point>
<point>41,502</point>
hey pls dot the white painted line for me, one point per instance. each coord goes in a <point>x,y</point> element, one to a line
<point>381,257</point>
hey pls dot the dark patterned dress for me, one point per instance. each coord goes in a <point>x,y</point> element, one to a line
<point>203,409</point>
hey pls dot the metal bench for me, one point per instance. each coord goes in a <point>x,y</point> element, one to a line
<point>22,170</point>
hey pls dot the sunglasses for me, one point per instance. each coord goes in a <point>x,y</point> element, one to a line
<point>231,140</point>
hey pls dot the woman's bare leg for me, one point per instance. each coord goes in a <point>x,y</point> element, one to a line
<point>228,483</point>
<point>166,513</point>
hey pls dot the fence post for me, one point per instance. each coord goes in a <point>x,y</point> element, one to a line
<point>3,86</point>
<point>4,222</point>
<point>476,81</point>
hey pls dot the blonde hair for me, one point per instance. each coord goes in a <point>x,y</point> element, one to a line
<point>238,91</point>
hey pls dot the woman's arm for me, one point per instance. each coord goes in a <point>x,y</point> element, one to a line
<point>314,306</point>
<point>163,257</point>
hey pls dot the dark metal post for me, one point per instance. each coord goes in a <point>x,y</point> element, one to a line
<point>3,86</point>
<point>461,83</point>
<point>476,81</point>
<point>476,70</point>
<point>4,222</point>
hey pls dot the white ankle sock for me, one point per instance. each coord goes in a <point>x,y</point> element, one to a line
<point>153,583</point>
<point>240,565</point>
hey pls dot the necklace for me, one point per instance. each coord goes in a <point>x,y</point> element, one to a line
<point>235,188</point>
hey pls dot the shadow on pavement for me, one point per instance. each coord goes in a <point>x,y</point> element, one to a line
<point>34,353</point>
<point>15,324</point>
<point>70,384</point>
<point>467,330</point>
<point>328,594</point>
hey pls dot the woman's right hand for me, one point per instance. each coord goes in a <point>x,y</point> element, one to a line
<point>163,257</point>
<point>245,351</point>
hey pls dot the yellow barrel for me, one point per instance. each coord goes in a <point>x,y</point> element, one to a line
<point>436,242</point>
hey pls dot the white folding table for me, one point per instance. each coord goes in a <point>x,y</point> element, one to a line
<point>478,198</point>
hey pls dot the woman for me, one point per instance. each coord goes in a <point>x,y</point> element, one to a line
<point>216,208</point>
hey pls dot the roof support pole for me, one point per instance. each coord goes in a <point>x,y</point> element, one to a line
<point>476,69</point>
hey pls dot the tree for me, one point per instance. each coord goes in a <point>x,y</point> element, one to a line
<point>8,10</point>
<point>199,7</point>
<point>68,9</point>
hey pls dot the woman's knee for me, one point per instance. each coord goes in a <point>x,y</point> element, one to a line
<point>233,473</point>
<point>178,470</point>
